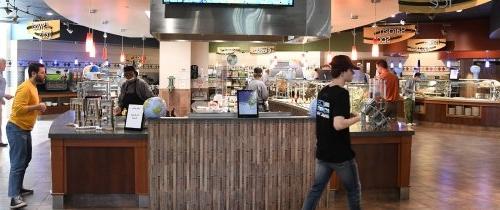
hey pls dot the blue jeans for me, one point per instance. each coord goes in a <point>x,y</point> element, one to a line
<point>348,173</point>
<point>20,156</point>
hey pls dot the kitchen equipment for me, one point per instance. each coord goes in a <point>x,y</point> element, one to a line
<point>76,104</point>
<point>107,119</point>
<point>92,111</point>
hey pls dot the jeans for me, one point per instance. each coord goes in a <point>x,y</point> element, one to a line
<point>348,173</point>
<point>409,110</point>
<point>20,156</point>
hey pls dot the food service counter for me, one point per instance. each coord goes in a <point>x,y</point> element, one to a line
<point>265,163</point>
<point>98,165</point>
<point>466,111</point>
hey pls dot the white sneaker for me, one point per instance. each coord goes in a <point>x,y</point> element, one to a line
<point>17,202</point>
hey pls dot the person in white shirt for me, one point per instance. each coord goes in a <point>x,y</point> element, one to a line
<point>3,84</point>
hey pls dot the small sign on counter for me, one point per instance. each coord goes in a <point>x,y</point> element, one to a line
<point>135,117</point>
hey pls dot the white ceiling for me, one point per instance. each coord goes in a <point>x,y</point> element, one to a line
<point>364,9</point>
<point>120,14</point>
<point>130,14</point>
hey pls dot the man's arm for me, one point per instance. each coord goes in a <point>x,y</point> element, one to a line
<point>341,112</point>
<point>265,92</point>
<point>21,102</point>
<point>146,90</point>
<point>122,94</point>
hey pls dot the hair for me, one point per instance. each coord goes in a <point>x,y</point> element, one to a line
<point>340,64</point>
<point>417,74</point>
<point>257,72</point>
<point>130,68</point>
<point>34,67</point>
<point>2,60</point>
<point>383,64</point>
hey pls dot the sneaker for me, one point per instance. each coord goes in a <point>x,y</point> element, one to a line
<point>17,202</point>
<point>25,192</point>
<point>3,144</point>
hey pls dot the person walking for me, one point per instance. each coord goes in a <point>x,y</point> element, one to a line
<point>3,85</point>
<point>409,97</point>
<point>25,110</point>
<point>333,147</point>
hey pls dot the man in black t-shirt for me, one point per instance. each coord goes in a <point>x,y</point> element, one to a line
<point>333,148</point>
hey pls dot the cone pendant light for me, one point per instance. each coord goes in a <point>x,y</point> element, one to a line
<point>122,54</point>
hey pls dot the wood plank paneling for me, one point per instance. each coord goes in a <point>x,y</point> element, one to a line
<point>103,170</point>
<point>231,163</point>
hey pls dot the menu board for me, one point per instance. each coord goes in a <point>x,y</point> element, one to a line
<point>247,2</point>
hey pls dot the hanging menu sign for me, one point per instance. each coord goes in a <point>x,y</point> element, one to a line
<point>388,34</point>
<point>227,50</point>
<point>262,50</point>
<point>425,45</point>
<point>437,6</point>
<point>45,30</point>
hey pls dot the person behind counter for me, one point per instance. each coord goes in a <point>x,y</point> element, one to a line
<point>258,85</point>
<point>132,91</point>
<point>333,148</point>
<point>25,110</point>
<point>409,96</point>
<point>391,88</point>
<point>3,84</point>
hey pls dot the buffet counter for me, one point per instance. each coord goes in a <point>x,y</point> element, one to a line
<point>458,110</point>
<point>97,165</point>
<point>286,105</point>
<point>264,163</point>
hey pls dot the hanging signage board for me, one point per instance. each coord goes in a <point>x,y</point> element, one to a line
<point>437,6</point>
<point>227,50</point>
<point>425,45</point>
<point>388,34</point>
<point>45,30</point>
<point>262,50</point>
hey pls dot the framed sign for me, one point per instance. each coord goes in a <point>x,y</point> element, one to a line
<point>388,34</point>
<point>262,50</point>
<point>247,104</point>
<point>425,45</point>
<point>135,117</point>
<point>45,30</point>
<point>227,50</point>
<point>437,6</point>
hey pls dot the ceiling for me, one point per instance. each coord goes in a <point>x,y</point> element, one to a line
<point>121,17</point>
<point>37,8</point>
<point>364,9</point>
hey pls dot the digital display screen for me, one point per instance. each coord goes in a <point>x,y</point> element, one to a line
<point>247,103</point>
<point>244,2</point>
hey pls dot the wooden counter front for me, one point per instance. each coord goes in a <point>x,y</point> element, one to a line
<point>265,163</point>
<point>436,110</point>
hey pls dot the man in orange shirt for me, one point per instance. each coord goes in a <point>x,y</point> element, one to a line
<point>391,88</point>
<point>25,110</point>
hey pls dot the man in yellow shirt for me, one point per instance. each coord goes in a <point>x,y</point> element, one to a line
<point>25,109</point>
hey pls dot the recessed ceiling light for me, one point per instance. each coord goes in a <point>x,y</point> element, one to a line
<point>49,13</point>
<point>459,10</point>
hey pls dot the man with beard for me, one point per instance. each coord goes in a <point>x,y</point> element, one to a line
<point>25,110</point>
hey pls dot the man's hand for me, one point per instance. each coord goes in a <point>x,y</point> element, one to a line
<point>117,110</point>
<point>42,107</point>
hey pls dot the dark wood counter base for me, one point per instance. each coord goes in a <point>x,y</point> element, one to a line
<point>383,163</point>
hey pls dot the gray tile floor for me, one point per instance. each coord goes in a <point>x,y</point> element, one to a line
<point>452,168</point>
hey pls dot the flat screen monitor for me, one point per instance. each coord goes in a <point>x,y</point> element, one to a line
<point>234,2</point>
<point>247,104</point>
<point>454,74</point>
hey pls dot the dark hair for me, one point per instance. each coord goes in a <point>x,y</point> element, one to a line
<point>340,64</point>
<point>257,72</point>
<point>417,74</point>
<point>34,67</point>
<point>382,63</point>
<point>130,68</point>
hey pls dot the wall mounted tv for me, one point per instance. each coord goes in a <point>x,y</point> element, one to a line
<point>233,2</point>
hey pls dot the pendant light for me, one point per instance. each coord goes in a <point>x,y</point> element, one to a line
<point>122,54</point>
<point>487,63</point>
<point>41,52</point>
<point>92,51</point>
<point>105,48</point>
<point>392,65</point>
<point>76,61</point>
<point>354,51</point>
<point>89,41</point>
<point>400,65</point>
<point>375,47</point>
<point>143,58</point>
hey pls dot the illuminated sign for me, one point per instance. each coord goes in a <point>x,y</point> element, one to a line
<point>45,30</point>
<point>425,45</point>
<point>388,34</point>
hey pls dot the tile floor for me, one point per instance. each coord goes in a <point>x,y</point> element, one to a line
<point>453,167</point>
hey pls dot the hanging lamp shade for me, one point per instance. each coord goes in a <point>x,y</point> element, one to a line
<point>375,48</point>
<point>354,53</point>
<point>104,53</point>
<point>89,41</point>
<point>122,57</point>
<point>92,51</point>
